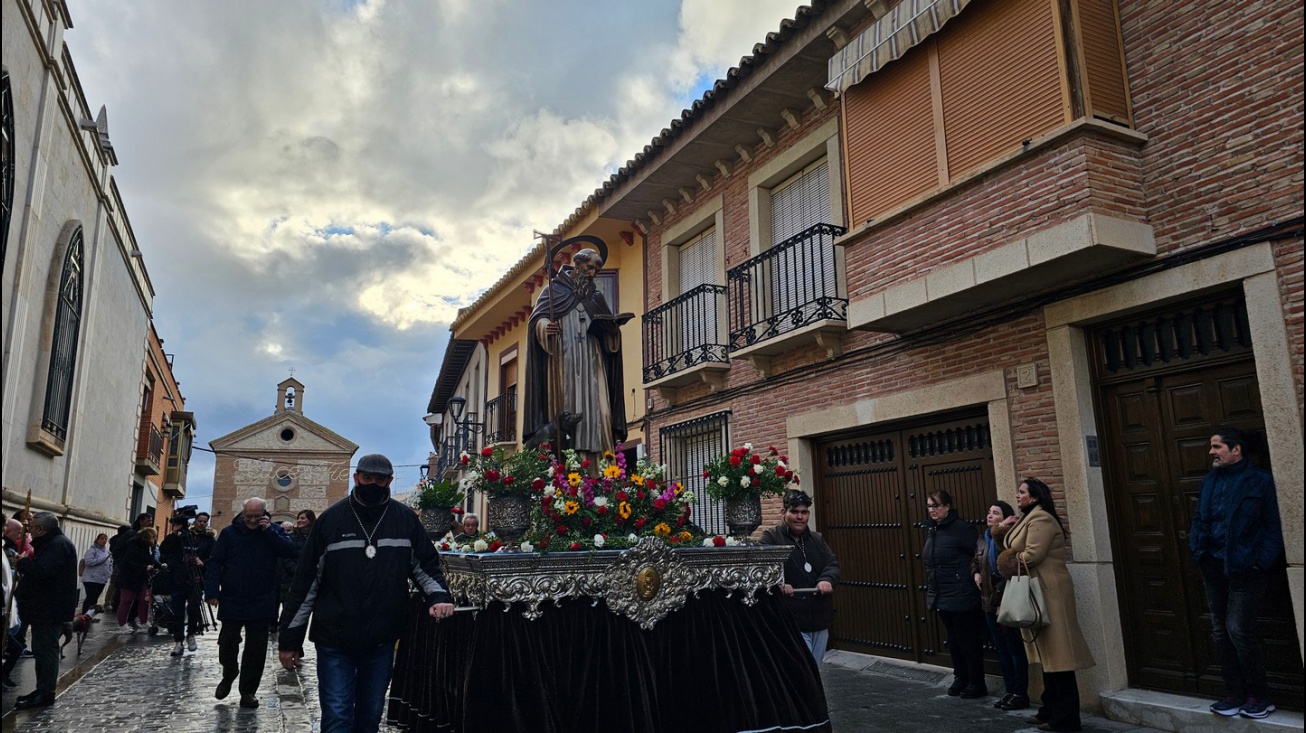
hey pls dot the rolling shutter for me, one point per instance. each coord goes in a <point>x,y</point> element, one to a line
<point>696,261</point>
<point>890,137</point>
<point>1104,67</point>
<point>800,202</point>
<point>987,108</point>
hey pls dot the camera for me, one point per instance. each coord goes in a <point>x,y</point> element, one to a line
<point>187,512</point>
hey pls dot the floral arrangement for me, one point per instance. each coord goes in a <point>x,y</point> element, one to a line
<point>745,475</point>
<point>496,474</point>
<point>431,494</point>
<point>579,506</point>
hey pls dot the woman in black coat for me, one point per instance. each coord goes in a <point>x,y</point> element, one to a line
<point>137,560</point>
<point>952,594</point>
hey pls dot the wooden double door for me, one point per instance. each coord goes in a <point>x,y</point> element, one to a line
<point>1157,420</point>
<point>872,504</point>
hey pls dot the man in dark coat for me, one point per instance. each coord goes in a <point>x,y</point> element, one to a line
<point>47,599</point>
<point>180,556</point>
<point>571,321</point>
<point>1235,538</point>
<point>811,564</point>
<point>241,580</point>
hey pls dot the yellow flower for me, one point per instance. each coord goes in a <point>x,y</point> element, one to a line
<point>685,536</point>
<point>679,489</point>
<point>609,456</point>
<point>573,479</point>
<point>637,480</point>
<point>612,471</point>
<point>624,510</point>
<point>662,530</point>
<point>572,507</point>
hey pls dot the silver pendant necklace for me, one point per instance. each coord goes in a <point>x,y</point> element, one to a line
<point>369,549</point>
<point>802,547</point>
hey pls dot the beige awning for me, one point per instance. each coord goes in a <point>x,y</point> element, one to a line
<point>903,27</point>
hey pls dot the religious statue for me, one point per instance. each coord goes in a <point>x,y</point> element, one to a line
<point>573,363</point>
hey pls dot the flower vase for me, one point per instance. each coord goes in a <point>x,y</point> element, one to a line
<point>743,516</point>
<point>509,517</point>
<point>437,521</point>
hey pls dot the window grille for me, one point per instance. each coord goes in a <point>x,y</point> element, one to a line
<point>63,356</point>
<point>686,448</point>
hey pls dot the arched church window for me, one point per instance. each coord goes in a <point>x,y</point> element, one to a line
<point>67,328</point>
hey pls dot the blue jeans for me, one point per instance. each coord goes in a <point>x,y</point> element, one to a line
<point>816,641</point>
<point>351,687</point>
<point>1234,603</point>
<point>1011,656</point>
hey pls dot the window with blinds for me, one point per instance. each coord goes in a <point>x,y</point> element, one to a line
<point>798,204</point>
<point>686,448</point>
<point>696,322</point>
<point>697,261</point>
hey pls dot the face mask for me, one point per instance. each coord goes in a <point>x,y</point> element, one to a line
<point>371,493</point>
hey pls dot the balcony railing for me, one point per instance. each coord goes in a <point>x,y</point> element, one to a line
<point>149,452</point>
<point>501,418</point>
<point>463,439</point>
<point>685,332</point>
<point>787,287</point>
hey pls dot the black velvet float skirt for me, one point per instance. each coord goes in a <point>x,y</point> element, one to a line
<point>715,666</point>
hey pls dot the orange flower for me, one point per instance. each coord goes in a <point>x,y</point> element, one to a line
<point>662,530</point>
<point>572,507</point>
<point>624,510</point>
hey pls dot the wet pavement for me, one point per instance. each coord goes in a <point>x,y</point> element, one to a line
<point>125,683</point>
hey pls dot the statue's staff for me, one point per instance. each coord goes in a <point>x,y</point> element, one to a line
<point>555,360</point>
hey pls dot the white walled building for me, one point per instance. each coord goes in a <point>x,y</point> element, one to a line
<point>76,298</point>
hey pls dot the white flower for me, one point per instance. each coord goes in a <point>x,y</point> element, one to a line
<point>599,540</point>
<point>781,464</point>
<point>480,545</point>
<point>748,446</point>
<point>707,542</point>
<point>600,501</point>
<point>723,482</point>
<point>731,542</point>
<point>633,537</point>
<point>745,481</point>
<point>549,491</point>
<point>688,497</point>
<point>527,547</point>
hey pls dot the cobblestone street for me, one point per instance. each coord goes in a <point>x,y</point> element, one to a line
<point>127,683</point>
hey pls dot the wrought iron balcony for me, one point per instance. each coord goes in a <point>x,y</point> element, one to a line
<point>463,439</point>
<point>149,452</point>
<point>795,284</point>
<point>501,418</point>
<point>685,332</point>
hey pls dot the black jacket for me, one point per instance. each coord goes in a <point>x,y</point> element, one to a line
<point>949,549</point>
<point>286,566</point>
<point>357,603</point>
<point>812,611</point>
<point>242,571</point>
<point>179,551</point>
<point>137,559</point>
<point>48,591</point>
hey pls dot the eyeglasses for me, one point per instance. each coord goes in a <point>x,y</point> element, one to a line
<point>932,505</point>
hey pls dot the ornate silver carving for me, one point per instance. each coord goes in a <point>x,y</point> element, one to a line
<point>743,515</point>
<point>623,579</point>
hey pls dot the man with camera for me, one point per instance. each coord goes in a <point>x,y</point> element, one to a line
<point>180,554</point>
<point>241,580</point>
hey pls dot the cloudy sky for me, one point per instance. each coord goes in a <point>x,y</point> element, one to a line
<point>322,184</point>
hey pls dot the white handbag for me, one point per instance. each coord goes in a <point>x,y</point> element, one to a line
<point>1022,604</point>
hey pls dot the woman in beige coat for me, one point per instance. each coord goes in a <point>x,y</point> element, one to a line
<point>1038,541</point>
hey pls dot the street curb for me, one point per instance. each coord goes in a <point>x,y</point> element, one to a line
<point>13,718</point>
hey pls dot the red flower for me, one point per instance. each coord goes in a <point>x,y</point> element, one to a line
<point>508,480</point>
<point>574,546</point>
<point>735,460</point>
<point>719,541</point>
<point>538,484</point>
<point>639,523</point>
<point>707,474</point>
<point>784,459</point>
<point>639,495</point>
<point>585,463</point>
<point>546,501</point>
<point>494,546</point>
<point>674,538</point>
<point>738,451</point>
<point>601,510</point>
<point>659,504</point>
<point>491,475</point>
<point>618,520</point>
<point>586,521</point>
<point>773,452</point>
<point>796,480</point>
<point>544,543</point>
<point>456,510</point>
<point>756,459</point>
<point>622,496</point>
<point>562,529</point>
<point>680,521</point>
<point>465,458</point>
<point>780,471</point>
<point>486,452</point>
<point>547,446</point>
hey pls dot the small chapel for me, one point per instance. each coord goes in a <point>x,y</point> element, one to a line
<point>286,458</point>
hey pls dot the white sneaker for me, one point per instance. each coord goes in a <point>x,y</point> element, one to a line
<point>190,643</point>
<point>177,650</point>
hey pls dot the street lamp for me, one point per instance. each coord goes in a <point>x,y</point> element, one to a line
<point>456,405</point>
